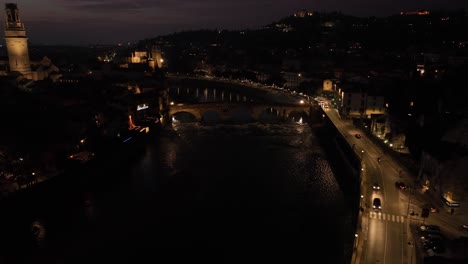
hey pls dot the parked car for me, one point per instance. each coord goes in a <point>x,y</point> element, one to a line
<point>436,244</point>
<point>429,233</point>
<point>358,135</point>
<point>433,228</point>
<point>428,236</point>
<point>465,227</point>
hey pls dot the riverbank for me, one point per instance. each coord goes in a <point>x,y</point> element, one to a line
<point>267,93</point>
<point>13,191</point>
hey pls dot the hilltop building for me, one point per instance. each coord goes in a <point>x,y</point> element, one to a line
<point>303,13</point>
<point>151,58</point>
<point>412,13</point>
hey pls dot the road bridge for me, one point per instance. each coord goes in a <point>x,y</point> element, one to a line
<point>227,110</point>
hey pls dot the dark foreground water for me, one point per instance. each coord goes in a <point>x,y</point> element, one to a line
<point>252,193</point>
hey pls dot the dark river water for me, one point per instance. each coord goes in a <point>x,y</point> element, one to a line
<point>223,193</point>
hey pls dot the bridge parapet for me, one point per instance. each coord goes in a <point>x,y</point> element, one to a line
<point>227,110</point>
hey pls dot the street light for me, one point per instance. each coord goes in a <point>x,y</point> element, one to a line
<point>356,240</point>
<point>360,202</point>
<point>362,154</point>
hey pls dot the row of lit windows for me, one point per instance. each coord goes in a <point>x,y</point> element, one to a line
<point>368,109</point>
<point>68,81</point>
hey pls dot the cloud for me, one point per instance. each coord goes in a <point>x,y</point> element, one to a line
<point>117,20</point>
<point>111,6</point>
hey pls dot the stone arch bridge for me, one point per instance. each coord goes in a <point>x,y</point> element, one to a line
<point>256,110</point>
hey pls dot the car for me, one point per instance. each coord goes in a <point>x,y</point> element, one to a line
<point>358,135</point>
<point>437,245</point>
<point>431,208</point>
<point>430,233</point>
<point>431,236</point>
<point>436,249</point>
<point>464,227</point>
<point>429,243</point>
<point>400,185</point>
<point>376,204</point>
<point>376,186</point>
<point>432,228</point>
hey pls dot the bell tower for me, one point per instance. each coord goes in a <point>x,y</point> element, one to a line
<point>16,41</point>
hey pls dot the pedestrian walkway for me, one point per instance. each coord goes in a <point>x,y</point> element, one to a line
<point>387,217</point>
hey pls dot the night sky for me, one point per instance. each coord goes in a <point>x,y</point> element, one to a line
<point>121,21</point>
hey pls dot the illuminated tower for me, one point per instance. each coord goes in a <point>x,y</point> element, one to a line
<point>157,56</point>
<point>16,41</point>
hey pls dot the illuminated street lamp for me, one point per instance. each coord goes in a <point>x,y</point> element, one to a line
<point>362,154</point>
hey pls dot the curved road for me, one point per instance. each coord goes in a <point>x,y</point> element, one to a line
<point>383,236</point>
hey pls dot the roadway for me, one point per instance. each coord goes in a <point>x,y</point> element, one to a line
<point>382,235</point>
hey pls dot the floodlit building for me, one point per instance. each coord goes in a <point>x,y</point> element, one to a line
<point>18,62</point>
<point>16,41</point>
<point>357,102</point>
<point>294,79</point>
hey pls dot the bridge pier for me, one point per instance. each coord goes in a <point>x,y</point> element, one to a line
<point>227,110</point>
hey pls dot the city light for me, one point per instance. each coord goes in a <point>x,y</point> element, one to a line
<point>142,107</point>
<point>106,110</point>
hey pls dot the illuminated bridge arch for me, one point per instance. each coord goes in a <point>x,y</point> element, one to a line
<point>229,110</point>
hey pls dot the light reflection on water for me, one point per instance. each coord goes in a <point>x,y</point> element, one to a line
<point>276,170</point>
<point>218,192</point>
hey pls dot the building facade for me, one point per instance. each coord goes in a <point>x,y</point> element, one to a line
<point>19,62</point>
<point>357,103</point>
<point>16,41</point>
